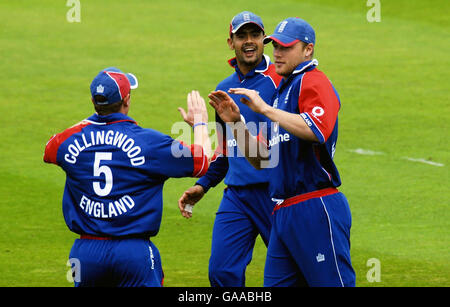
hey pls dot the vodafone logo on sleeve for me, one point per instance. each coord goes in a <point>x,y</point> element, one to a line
<point>318,111</point>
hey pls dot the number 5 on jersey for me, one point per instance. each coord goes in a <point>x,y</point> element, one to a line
<point>105,170</point>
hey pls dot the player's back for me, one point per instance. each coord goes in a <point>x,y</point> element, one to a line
<point>115,173</point>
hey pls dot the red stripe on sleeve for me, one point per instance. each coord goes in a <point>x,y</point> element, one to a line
<point>318,99</point>
<point>52,146</point>
<point>200,161</point>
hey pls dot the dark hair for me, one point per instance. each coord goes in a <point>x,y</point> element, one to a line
<point>106,108</point>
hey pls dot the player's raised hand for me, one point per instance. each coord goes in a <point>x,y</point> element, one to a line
<point>196,109</point>
<point>225,107</point>
<point>189,198</point>
<point>253,100</point>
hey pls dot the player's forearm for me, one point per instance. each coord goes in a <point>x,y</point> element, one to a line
<point>201,138</point>
<point>293,123</point>
<point>254,151</point>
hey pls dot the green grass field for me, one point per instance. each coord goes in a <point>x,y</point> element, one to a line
<point>392,77</point>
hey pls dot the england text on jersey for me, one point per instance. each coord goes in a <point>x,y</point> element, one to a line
<point>102,210</point>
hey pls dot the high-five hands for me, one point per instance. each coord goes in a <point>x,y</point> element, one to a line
<point>227,109</point>
<point>196,109</point>
<point>252,99</point>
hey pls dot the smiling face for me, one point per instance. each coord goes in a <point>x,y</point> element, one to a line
<point>288,58</point>
<point>248,45</point>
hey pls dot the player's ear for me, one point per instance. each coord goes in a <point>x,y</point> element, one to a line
<point>230,43</point>
<point>309,49</point>
<point>126,100</point>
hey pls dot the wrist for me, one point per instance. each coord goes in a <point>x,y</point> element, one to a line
<point>199,124</point>
<point>239,119</point>
<point>266,110</point>
<point>205,189</point>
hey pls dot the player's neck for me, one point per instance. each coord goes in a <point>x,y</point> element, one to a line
<point>125,107</point>
<point>246,68</point>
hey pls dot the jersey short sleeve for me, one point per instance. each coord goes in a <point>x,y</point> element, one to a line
<point>318,104</point>
<point>172,158</point>
<point>52,146</point>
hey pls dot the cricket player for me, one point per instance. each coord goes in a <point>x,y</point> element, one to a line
<point>115,171</point>
<point>246,208</point>
<point>310,236</point>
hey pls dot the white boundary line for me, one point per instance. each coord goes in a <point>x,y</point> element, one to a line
<point>368,152</point>
<point>424,161</point>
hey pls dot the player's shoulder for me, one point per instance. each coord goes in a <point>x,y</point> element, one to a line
<point>148,131</point>
<point>53,144</point>
<point>226,83</point>
<point>68,132</point>
<point>315,76</point>
<point>153,137</point>
<point>272,74</point>
<point>315,79</point>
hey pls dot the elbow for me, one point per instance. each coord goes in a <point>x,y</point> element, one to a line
<point>201,161</point>
<point>200,167</point>
<point>310,136</point>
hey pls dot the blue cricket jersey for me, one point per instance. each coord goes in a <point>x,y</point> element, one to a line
<point>301,166</point>
<point>229,162</point>
<point>115,171</point>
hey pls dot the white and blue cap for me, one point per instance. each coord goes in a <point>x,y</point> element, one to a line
<point>112,84</point>
<point>244,18</point>
<point>290,31</point>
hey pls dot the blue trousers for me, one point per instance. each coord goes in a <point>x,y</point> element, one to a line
<point>243,214</point>
<point>310,244</point>
<point>116,263</point>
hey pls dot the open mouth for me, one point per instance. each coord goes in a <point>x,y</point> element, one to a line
<point>249,51</point>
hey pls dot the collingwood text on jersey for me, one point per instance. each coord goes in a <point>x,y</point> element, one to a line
<point>109,137</point>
